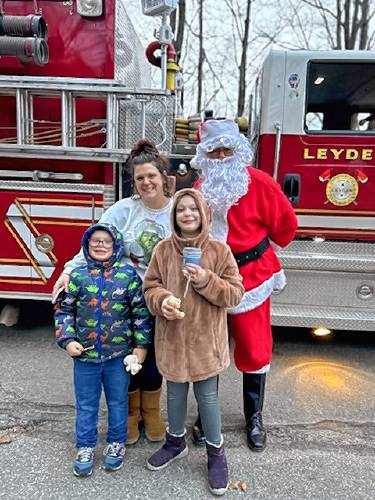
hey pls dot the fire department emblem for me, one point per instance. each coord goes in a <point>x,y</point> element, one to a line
<point>342,189</point>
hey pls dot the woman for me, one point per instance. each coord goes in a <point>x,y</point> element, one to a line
<point>143,221</point>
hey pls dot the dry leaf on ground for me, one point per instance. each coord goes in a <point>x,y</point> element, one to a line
<point>244,486</point>
<point>238,485</point>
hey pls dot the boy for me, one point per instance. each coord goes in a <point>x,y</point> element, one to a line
<point>100,322</point>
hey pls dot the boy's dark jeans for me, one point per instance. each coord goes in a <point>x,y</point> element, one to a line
<point>89,378</point>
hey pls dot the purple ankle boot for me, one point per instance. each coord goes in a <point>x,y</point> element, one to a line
<point>217,469</point>
<point>174,447</point>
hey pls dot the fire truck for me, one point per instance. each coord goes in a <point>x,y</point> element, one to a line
<point>312,117</point>
<point>75,95</point>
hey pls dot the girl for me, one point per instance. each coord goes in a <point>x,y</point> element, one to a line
<point>192,347</point>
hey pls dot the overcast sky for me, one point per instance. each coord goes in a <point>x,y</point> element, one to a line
<point>271,26</point>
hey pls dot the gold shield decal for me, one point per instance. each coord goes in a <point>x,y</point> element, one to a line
<point>342,190</point>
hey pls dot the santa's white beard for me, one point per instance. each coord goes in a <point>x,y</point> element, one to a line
<point>225,182</point>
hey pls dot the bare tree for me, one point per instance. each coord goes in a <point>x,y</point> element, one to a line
<point>215,45</point>
<point>326,24</point>
<point>243,65</point>
<point>346,22</point>
<point>243,36</point>
<point>200,57</point>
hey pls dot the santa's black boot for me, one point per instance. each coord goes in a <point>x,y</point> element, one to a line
<point>253,397</point>
<point>198,437</point>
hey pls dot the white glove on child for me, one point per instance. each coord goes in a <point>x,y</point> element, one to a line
<point>131,364</point>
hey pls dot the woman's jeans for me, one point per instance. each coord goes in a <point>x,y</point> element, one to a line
<point>207,398</point>
<point>89,378</point>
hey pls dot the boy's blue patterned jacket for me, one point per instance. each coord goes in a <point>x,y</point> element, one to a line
<point>105,307</point>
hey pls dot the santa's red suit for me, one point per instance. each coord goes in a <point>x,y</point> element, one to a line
<point>251,213</point>
<point>264,211</point>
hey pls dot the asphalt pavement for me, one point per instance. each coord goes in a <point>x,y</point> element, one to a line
<point>319,412</point>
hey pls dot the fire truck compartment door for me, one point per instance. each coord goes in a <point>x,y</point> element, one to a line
<point>41,228</point>
<point>16,266</point>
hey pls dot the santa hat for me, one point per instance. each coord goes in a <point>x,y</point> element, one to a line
<point>213,134</point>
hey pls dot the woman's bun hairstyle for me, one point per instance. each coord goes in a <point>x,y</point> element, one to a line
<point>143,146</point>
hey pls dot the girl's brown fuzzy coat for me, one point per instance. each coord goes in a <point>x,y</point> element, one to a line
<point>196,347</point>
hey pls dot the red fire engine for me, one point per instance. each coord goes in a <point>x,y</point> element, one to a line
<point>75,95</point>
<point>313,129</point>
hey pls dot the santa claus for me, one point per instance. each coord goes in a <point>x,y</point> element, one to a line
<point>252,214</point>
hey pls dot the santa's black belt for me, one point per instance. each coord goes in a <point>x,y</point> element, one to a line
<point>254,253</point>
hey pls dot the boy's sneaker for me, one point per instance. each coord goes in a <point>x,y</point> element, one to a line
<point>114,455</point>
<point>84,462</point>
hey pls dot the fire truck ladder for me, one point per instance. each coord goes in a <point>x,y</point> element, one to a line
<point>68,91</point>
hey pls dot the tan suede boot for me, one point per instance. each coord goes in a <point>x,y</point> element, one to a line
<point>150,410</point>
<point>134,416</point>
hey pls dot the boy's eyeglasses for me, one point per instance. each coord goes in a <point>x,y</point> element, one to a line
<point>95,243</point>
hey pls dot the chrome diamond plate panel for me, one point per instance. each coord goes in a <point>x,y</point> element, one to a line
<point>324,280</point>
<point>310,317</point>
<point>329,255</point>
<point>52,187</point>
<point>324,289</point>
<point>159,124</point>
<point>131,65</point>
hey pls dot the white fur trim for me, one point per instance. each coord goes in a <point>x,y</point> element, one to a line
<point>217,445</point>
<point>176,435</point>
<point>264,369</point>
<point>255,297</point>
<point>219,133</point>
<point>219,226</point>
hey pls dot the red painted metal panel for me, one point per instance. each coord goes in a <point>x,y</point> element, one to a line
<point>26,215</point>
<point>317,159</point>
<point>78,47</point>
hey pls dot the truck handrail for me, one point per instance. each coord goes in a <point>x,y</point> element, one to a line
<point>117,98</point>
<point>276,160</point>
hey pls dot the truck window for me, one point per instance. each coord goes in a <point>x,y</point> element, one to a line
<point>340,97</point>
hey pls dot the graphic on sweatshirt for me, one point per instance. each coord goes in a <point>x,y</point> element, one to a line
<point>147,235</point>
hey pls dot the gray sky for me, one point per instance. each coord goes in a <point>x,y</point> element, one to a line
<point>274,23</point>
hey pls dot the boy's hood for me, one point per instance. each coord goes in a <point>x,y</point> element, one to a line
<point>118,246</point>
<point>201,239</point>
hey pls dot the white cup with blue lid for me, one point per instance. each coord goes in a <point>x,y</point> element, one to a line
<point>192,255</point>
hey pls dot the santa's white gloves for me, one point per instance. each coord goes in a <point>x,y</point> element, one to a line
<point>131,364</point>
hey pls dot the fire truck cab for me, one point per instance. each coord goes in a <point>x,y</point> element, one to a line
<point>312,122</point>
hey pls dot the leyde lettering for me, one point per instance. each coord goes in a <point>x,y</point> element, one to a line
<point>306,154</point>
<point>321,154</point>
<point>336,153</point>
<point>366,154</point>
<point>351,154</point>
